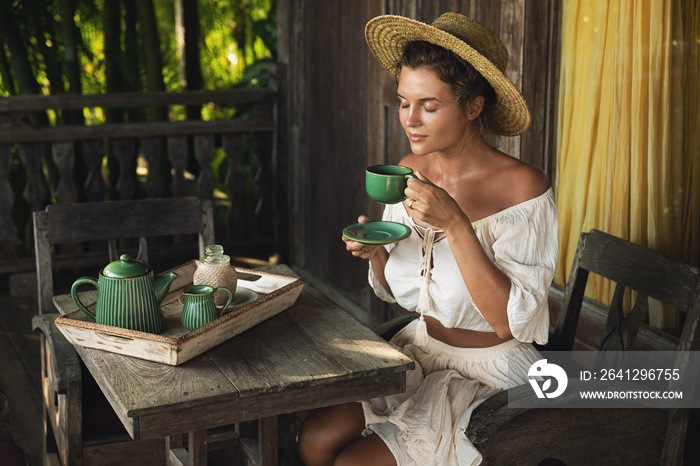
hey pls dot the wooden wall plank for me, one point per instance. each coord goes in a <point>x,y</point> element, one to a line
<point>293,53</point>
<point>540,63</point>
<point>511,33</point>
<point>488,13</point>
<point>123,130</point>
<point>281,162</point>
<point>27,103</point>
<point>337,128</point>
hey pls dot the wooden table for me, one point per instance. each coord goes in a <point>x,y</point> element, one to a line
<point>311,355</point>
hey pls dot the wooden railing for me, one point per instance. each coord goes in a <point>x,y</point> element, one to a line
<point>64,163</point>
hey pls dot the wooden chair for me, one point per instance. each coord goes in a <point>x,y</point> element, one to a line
<point>601,436</point>
<point>10,454</point>
<point>79,425</point>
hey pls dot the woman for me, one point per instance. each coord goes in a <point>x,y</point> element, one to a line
<point>478,265</point>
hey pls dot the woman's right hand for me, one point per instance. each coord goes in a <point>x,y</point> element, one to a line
<point>363,251</point>
<point>376,255</point>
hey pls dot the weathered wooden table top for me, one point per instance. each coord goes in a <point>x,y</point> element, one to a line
<point>313,354</point>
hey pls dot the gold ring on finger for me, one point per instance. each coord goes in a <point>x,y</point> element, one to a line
<point>410,203</point>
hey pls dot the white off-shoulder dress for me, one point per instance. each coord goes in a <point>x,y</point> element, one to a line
<point>426,424</point>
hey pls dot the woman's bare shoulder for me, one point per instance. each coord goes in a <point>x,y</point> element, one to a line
<point>523,181</point>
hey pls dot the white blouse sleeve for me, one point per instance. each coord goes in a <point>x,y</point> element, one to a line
<point>390,215</point>
<point>526,250</point>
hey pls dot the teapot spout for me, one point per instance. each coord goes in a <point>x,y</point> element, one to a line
<point>162,285</point>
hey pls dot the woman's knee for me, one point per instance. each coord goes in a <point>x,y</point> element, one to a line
<point>313,436</point>
<point>327,431</point>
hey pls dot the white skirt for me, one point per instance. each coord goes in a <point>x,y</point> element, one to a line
<point>426,424</point>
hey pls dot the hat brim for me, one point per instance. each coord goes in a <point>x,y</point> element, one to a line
<point>388,35</point>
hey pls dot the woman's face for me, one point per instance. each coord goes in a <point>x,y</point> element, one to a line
<point>429,113</point>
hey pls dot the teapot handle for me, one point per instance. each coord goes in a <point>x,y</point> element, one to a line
<point>74,294</point>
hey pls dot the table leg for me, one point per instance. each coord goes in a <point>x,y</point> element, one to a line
<point>260,451</point>
<point>267,440</point>
<point>174,451</point>
<point>177,455</point>
<point>198,447</point>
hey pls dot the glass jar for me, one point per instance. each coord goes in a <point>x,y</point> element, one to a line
<point>214,269</point>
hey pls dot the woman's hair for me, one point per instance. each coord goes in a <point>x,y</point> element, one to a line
<point>464,81</point>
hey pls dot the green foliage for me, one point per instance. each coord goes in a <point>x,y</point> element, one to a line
<point>237,41</point>
<point>235,36</point>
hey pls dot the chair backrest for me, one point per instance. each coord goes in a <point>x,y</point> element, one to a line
<point>651,275</point>
<point>110,221</point>
<point>629,266</point>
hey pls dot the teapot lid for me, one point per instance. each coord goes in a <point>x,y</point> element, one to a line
<point>125,267</point>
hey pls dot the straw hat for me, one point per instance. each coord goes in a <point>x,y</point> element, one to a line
<point>388,35</point>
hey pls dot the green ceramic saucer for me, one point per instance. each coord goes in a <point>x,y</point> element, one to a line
<point>376,233</point>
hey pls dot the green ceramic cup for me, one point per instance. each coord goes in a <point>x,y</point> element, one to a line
<point>199,307</point>
<point>386,183</point>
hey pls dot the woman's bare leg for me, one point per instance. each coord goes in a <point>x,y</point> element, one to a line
<point>328,431</point>
<point>368,450</point>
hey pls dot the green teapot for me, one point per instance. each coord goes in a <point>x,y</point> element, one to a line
<point>128,295</point>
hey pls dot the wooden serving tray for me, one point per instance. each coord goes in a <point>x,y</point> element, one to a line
<point>177,344</point>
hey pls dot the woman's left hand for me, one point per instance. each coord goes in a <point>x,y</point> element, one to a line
<point>430,203</point>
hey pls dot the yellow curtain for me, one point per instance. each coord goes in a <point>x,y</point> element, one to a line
<point>691,131</point>
<point>627,155</point>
